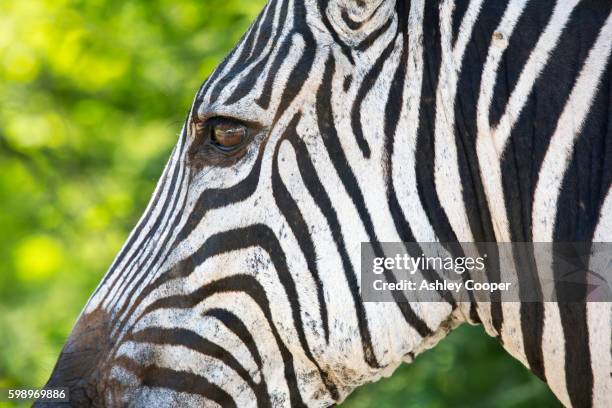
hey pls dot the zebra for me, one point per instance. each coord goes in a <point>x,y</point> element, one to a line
<point>336,122</point>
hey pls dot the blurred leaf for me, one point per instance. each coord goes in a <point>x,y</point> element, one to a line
<point>38,257</point>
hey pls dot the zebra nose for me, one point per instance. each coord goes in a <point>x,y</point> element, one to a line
<point>79,367</point>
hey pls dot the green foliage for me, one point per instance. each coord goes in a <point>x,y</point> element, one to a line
<point>92,94</point>
<point>468,369</point>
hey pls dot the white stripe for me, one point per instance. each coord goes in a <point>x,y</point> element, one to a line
<point>555,164</point>
<point>404,160</point>
<point>137,269</point>
<point>488,156</point>
<point>532,69</point>
<point>599,320</point>
<point>153,213</point>
<point>561,144</point>
<point>446,173</point>
<point>180,358</point>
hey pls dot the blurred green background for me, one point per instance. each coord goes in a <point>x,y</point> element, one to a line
<point>92,96</point>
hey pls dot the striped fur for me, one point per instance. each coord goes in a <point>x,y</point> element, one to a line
<point>380,120</point>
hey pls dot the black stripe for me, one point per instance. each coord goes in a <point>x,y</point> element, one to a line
<point>136,233</point>
<point>158,228</point>
<point>300,71</point>
<point>521,43</point>
<point>328,132</point>
<point>182,337</point>
<point>248,51</point>
<point>179,381</point>
<point>136,258</point>
<point>208,200</point>
<point>321,198</point>
<point>249,41</point>
<point>221,197</point>
<point>366,86</point>
<point>250,79</point>
<point>356,25</point>
<point>265,28</point>
<point>263,100</point>
<point>239,63</point>
<point>287,205</point>
<point>346,50</point>
<point>460,7</point>
<point>425,148</point>
<point>216,79</point>
<point>235,283</point>
<point>466,131</point>
<point>299,74</point>
<point>426,133</point>
<point>375,35</point>
<point>235,325</point>
<point>393,109</point>
<point>262,236</point>
<point>532,133</point>
<point>580,200</point>
<point>578,372</point>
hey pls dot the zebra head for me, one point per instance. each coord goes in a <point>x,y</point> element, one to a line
<point>240,284</point>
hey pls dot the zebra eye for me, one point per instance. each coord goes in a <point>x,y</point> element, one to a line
<point>220,140</point>
<point>227,135</point>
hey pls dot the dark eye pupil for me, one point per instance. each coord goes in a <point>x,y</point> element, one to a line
<point>228,135</point>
